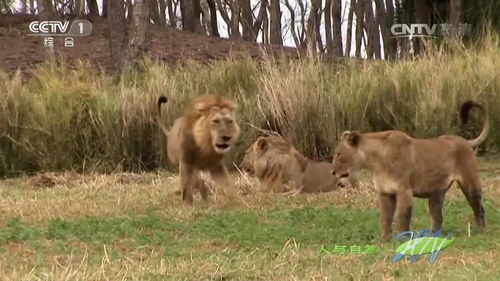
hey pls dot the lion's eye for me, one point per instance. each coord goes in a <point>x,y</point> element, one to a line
<point>230,121</point>
<point>216,121</point>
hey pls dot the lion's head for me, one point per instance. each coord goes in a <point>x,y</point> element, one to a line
<point>348,157</point>
<point>275,163</point>
<point>264,149</point>
<point>214,125</point>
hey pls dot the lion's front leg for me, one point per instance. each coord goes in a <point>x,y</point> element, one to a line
<point>404,202</point>
<point>387,208</point>
<point>187,176</point>
<point>221,177</point>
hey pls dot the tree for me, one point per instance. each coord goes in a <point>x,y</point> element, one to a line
<point>117,33</point>
<point>93,8</point>
<point>138,38</point>
<point>275,22</point>
<point>190,10</point>
<point>337,27</point>
<point>45,9</point>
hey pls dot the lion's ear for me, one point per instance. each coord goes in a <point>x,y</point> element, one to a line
<point>231,105</point>
<point>202,106</point>
<point>262,143</point>
<point>352,138</point>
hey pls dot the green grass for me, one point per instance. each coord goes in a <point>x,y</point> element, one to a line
<point>142,231</point>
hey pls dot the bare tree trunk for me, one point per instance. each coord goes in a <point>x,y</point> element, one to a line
<point>404,43</point>
<point>138,38</point>
<point>456,14</point>
<point>303,24</point>
<point>423,14</point>
<point>359,26</point>
<point>292,23</point>
<point>79,7</point>
<point>117,33</point>
<point>45,9</point>
<point>153,11</point>
<point>392,43</point>
<point>24,7</point>
<point>384,29</point>
<point>213,18</point>
<point>191,15</point>
<point>275,23</point>
<point>105,7</point>
<point>235,20</point>
<point>163,16</point>
<point>205,17</point>
<point>337,27</point>
<point>265,29</point>
<point>130,9</point>
<point>373,32</point>
<point>311,39</point>
<point>246,20</point>
<point>32,7</point>
<point>171,14</point>
<point>257,25</point>
<point>350,23</point>
<point>93,8</point>
<point>317,26</point>
<point>328,28</point>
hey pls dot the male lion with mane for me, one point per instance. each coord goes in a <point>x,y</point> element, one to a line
<point>404,167</point>
<point>198,142</point>
<point>279,167</point>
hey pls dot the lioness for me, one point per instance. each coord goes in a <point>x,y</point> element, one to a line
<point>404,167</point>
<point>199,140</point>
<point>279,167</point>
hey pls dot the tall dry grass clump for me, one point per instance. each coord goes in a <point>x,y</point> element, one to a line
<point>81,118</point>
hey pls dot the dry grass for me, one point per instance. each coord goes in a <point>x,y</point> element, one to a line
<point>309,102</point>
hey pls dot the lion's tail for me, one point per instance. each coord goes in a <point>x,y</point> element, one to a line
<point>464,115</point>
<point>162,100</point>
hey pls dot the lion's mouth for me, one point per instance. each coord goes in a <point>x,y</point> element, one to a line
<point>222,146</point>
<point>344,175</point>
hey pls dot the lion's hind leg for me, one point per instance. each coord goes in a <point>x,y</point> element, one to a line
<point>471,188</point>
<point>470,185</point>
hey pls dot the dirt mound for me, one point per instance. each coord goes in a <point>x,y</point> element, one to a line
<point>18,50</point>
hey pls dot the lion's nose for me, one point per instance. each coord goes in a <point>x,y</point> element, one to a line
<point>226,138</point>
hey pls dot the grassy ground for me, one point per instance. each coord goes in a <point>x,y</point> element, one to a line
<point>132,227</point>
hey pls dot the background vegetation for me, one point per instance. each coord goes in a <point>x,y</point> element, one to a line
<point>64,117</point>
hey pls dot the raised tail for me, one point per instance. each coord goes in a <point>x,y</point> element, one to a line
<point>464,115</point>
<point>162,100</point>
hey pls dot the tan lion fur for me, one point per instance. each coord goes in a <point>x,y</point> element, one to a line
<point>199,140</point>
<point>279,167</point>
<point>404,167</point>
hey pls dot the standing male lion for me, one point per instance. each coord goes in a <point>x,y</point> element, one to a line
<point>198,142</point>
<point>404,167</point>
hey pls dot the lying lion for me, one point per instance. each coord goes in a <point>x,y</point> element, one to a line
<point>279,167</point>
<point>404,167</point>
<point>198,142</point>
